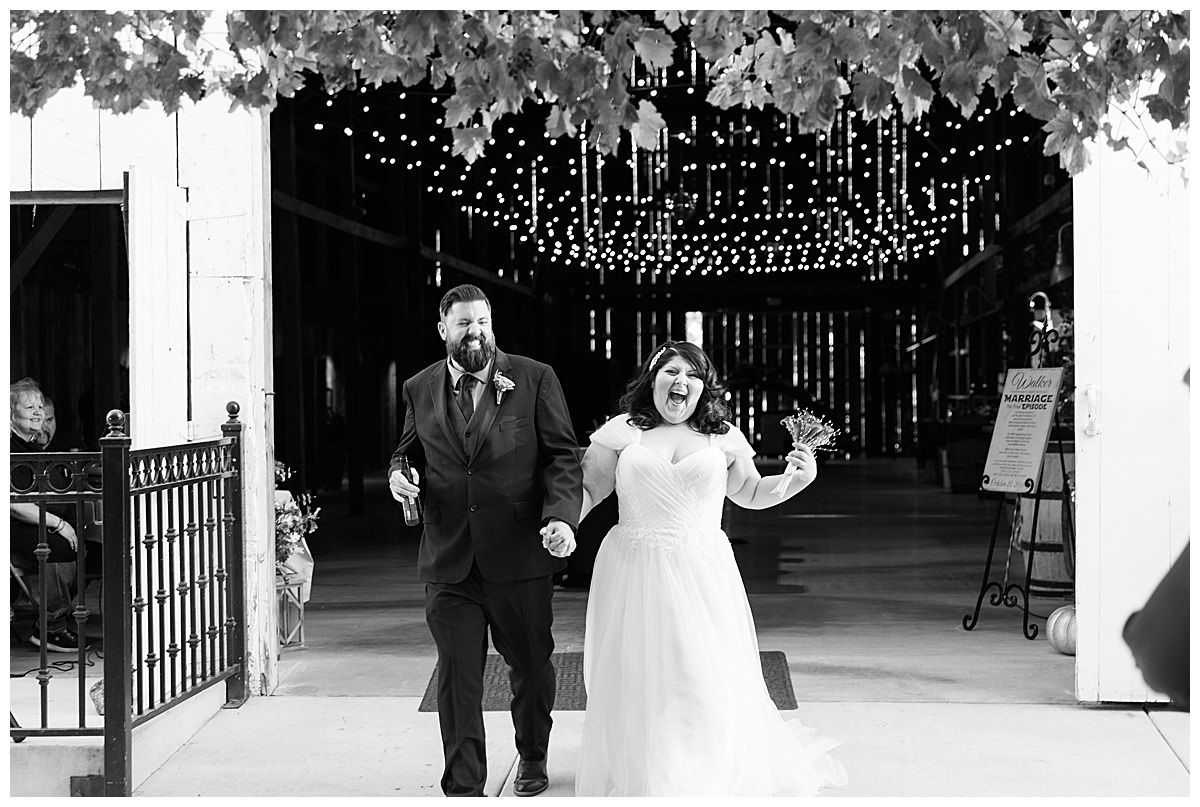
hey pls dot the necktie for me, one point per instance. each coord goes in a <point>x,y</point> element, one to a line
<point>466,396</point>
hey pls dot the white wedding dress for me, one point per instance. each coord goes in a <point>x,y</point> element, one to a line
<point>676,703</point>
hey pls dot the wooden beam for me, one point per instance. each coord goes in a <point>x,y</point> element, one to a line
<point>1061,198</point>
<point>430,254</point>
<point>112,197</point>
<point>969,265</point>
<point>800,294</point>
<point>37,244</point>
<point>345,225</point>
<point>334,221</point>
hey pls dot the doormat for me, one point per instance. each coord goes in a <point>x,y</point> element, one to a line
<point>570,695</point>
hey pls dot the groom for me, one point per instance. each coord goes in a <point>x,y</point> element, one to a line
<point>491,436</point>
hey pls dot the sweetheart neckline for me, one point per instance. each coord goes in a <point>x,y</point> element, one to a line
<point>677,463</point>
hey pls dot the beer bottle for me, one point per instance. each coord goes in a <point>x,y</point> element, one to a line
<point>412,508</point>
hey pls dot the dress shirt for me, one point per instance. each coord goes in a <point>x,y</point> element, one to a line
<point>482,376</point>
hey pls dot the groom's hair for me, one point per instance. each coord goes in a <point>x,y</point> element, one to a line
<point>466,293</point>
<point>711,411</point>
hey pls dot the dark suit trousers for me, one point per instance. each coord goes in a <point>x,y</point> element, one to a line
<point>520,617</point>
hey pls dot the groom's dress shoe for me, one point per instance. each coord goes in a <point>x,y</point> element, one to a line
<point>531,778</point>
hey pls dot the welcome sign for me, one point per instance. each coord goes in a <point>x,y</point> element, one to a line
<point>1027,405</point>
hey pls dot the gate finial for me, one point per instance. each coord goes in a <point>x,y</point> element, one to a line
<point>116,423</point>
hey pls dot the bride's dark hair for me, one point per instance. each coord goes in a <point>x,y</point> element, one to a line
<point>711,411</point>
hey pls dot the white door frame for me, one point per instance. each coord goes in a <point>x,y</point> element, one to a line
<point>1132,434</point>
<point>159,387</point>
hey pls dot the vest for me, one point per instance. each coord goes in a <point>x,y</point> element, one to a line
<point>468,433</point>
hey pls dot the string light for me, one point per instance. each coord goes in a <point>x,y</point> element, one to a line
<point>745,213</point>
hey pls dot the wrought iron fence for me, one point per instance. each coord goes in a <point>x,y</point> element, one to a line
<point>169,522</point>
<point>64,486</point>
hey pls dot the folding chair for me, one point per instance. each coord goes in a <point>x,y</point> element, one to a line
<point>18,576</point>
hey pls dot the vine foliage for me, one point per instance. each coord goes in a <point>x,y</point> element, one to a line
<point>1067,70</point>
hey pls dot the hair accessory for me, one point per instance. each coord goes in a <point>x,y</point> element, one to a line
<point>658,355</point>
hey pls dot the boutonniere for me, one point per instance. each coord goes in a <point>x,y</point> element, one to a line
<point>503,384</point>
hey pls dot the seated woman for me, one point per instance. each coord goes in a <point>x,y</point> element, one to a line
<point>51,438</point>
<point>27,415</point>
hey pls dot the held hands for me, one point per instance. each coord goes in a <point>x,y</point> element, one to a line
<point>402,488</point>
<point>558,538</point>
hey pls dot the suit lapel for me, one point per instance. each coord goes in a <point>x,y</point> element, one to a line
<point>488,402</point>
<point>437,390</point>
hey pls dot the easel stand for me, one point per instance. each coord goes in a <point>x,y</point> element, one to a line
<point>1007,594</point>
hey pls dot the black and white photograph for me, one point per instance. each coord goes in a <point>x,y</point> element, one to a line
<point>572,404</point>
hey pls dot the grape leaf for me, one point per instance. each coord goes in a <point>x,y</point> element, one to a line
<point>463,105</point>
<point>849,44</point>
<point>1010,29</point>
<point>915,94</point>
<point>872,95</point>
<point>655,48</point>
<point>1076,64</point>
<point>961,83</point>
<point>469,141</point>
<point>755,94</point>
<point>1065,140</point>
<point>649,124</point>
<point>559,123</point>
<point>1033,95</point>
<point>672,19</point>
<point>1002,79</point>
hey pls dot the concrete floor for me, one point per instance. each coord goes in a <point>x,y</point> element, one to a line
<point>863,581</point>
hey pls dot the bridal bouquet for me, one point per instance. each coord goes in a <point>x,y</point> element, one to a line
<point>810,430</point>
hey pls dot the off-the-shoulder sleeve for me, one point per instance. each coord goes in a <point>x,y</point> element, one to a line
<point>615,434</point>
<point>734,443</point>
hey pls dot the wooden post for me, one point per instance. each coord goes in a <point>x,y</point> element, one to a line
<point>224,162</point>
<point>352,356</point>
<point>873,438</point>
<point>855,381</point>
<point>286,275</point>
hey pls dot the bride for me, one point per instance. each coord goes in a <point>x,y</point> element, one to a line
<point>676,703</point>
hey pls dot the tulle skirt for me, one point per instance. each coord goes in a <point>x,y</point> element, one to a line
<point>676,699</point>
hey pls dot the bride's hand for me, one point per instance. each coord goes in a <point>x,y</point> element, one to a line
<point>803,466</point>
<point>558,538</point>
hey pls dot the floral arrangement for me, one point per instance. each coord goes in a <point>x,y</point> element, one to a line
<point>294,518</point>
<point>503,384</point>
<point>810,430</point>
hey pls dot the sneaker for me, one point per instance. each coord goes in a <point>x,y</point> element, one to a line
<point>58,641</point>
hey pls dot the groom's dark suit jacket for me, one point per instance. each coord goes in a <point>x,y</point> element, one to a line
<point>486,493</point>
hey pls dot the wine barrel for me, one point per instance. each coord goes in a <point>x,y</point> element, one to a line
<point>1053,572</point>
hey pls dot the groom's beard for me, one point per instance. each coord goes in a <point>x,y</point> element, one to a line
<point>471,360</point>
